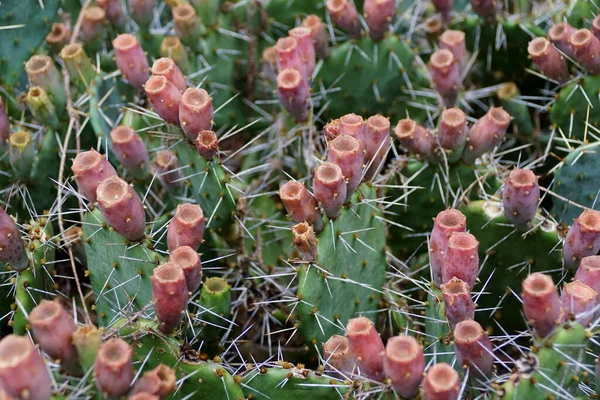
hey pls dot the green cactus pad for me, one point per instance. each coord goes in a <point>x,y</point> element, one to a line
<point>104,106</point>
<point>119,271</point>
<point>347,278</point>
<point>576,104</point>
<point>437,329</point>
<point>207,380</point>
<point>577,181</point>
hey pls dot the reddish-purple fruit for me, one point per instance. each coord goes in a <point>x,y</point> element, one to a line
<point>458,302</point>
<point>586,48</point>
<point>23,374</point>
<point>484,8</point>
<point>53,329</point>
<point>337,354</point>
<point>287,54</point>
<point>404,364</point>
<point>378,15</point>
<point>165,98</point>
<point>318,33</point>
<point>166,67</point>
<point>143,396</point>
<point>461,259</point>
<point>293,93</point>
<point>329,187</point>
<point>443,6</point>
<point>4,124</point>
<point>452,132</point>
<point>378,142</point>
<point>90,168</point>
<point>486,133</point>
<point>207,144</point>
<point>188,260</point>
<point>114,11</point>
<point>122,208</point>
<point>343,13</point>
<point>130,59</point>
<point>195,112</point>
<point>168,170</point>
<point>441,383</point>
<point>114,367</point>
<point>332,129</point>
<point>520,198</point>
<point>589,272</point>
<point>142,11</point>
<point>596,26</point>
<point>58,37</point>
<point>559,35</point>
<point>305,48</point>
<point>170,295</point>
<point>300,205</point>
<point>578,302</point>
<point>473,348</point>
<point>345,152</point>
<point>130,149</point>
<point>548,60</point>
<point>445,75</point>
<point>444,225</point>
<point>186,228</point>
<point>366,346</point>
<point>159,382</point>
<point>455,42</point>
<point>92,24</point>
<point>12,249</point>
<point>540,303</point>
<point>304,239</point>
<point>353,125</point>
<point>583,238</point>
<point>416,139</point>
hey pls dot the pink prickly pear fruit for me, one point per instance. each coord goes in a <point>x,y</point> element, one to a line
<point>589,272</point>
<point>90,168</point>
<point>486,133</point>
<point>12,249</point>
<point>443,6</point>
<point>166,67</point>
<point>583,238</point>
<point>520,198</point>
<point>441,383</point>
<point>130,149</point>
<point>343,13</point>
<point>578,302</point>
<point>445,75</point>
<point>586,48</point>
<point>168,170</point>
<point>452,131</point>
<point>287,53</point>
<point>4,124</point>
<point>23,374</point>
<point>300,205</point>
<point>378,15</point>
<point>304,239</point>
<point>159,382</point>
<point>113,368</point>
<point>337,354</point>
<point>207,144</point>
<point>188,260</point>
<point>353,125</point>
<point>165,98</point>
<point>461,259</point>
<point>170,295</point>
<point>541,303</point>
<point>455,42</point>
<point>186,228</point>
<point>92,24</point>
<point>142,11</point>
<point>122,208</point>
<point>473,348</point>
<point>367,347</point>
<point>53,329</point>
<point>143,396</point>
<point>345,152</point>
<point>318,33</point>
<point>131,60</point>
<point>332,129</point>
<point>306,49</point>
<point>596,26</point>
<point>486,9</point>
<point>293,93</point>
<point>329,187</point>
<point>559,35</point>
<point>444,225</point>
<point>404,364</point>
<point>458,302</point>
<point>416,139</point>
<point>114,11</point>
<point>195,112</point>
<point>378,142</point>
<point>548,60</point>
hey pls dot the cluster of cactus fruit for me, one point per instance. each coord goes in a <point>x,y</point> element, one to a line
<point>282,199</point>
